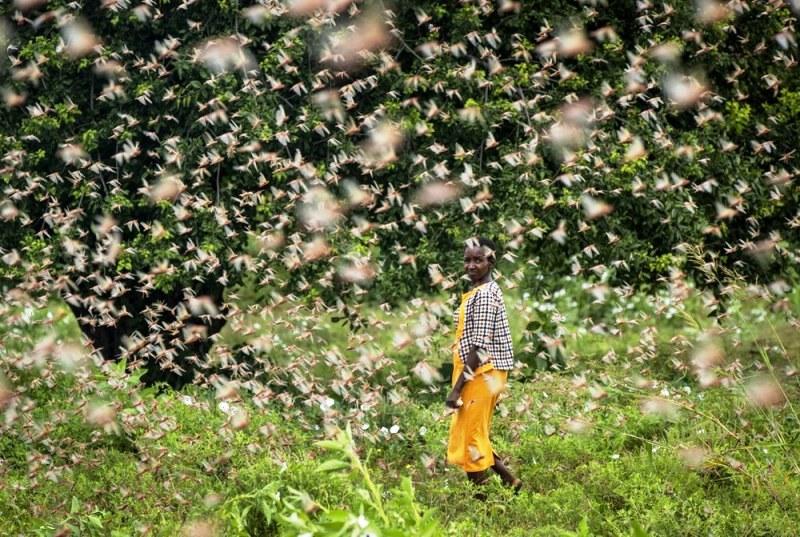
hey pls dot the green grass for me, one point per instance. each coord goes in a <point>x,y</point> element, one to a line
<point>177,458</point>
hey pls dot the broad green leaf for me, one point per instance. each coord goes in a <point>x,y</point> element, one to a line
<point>333,465</point>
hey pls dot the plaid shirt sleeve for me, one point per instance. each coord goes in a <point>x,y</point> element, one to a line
<point>487,329</point>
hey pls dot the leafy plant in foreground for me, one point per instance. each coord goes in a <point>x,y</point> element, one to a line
<point>276,509</point>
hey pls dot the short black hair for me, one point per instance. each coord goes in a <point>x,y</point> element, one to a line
<point>488,243</point>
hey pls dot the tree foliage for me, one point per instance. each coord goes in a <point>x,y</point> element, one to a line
<point>155,155</point>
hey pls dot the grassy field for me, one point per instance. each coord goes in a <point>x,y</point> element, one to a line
<point>632,438</point>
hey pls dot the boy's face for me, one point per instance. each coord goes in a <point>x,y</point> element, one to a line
<point>477,263</point>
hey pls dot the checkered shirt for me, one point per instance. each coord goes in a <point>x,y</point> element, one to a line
<point>486,327</point>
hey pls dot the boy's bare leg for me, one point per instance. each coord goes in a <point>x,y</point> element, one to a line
<point>479,479</point>
<point>505,474</point>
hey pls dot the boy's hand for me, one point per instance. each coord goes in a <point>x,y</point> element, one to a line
<point>453,400</point>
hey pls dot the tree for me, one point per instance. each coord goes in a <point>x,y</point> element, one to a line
<point>154,157</point>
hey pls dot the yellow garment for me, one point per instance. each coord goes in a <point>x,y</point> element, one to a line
<point>469,446</point>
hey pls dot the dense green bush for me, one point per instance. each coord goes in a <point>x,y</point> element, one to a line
<point>136,177</point>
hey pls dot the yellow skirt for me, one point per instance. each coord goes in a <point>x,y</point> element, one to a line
<point>468,446</point>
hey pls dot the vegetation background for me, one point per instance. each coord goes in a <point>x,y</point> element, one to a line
<point>255,213</point>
